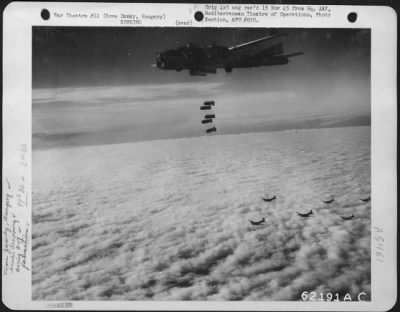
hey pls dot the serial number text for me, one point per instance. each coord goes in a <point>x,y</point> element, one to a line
<point>320,296</point>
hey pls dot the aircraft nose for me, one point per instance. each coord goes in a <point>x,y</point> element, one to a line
<point>160,60</point>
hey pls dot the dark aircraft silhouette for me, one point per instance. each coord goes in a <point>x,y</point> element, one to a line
<point>348,218</point>
<point>269,199</point>
<point>258,222</point>
<point>329,200</point>
<point>201,61</point>
<point>205,107</point>
<point>305,215</point>
<point>366,199</point>
<point>211,116</point>
<point>206,121</point>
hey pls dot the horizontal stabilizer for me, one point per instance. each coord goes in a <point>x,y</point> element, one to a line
<point>293,54</point>
<point>276,49</point>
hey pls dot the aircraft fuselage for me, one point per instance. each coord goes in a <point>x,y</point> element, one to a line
<point>206,60</point>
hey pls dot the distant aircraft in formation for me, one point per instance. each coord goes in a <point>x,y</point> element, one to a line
<point>308,214</point>
<point>366,199</point>
<point>305,215</point>
<point>258,222</point>
<point>201,61</point>
<point>269,199</point>
<point>348,218</point>
<point>329,200</point>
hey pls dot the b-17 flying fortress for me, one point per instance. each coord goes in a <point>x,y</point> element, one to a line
<point>201,61</point>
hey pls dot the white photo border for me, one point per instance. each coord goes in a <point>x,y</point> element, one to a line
<point>20,17</point>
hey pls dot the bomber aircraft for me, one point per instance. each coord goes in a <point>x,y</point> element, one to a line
<point>201,61</point>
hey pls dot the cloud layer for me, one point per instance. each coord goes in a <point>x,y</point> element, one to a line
<point>168,220</point>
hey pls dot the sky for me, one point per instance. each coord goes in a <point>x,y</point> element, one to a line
<point>95,85</point>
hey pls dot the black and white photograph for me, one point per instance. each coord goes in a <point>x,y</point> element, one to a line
<point>212,164</point>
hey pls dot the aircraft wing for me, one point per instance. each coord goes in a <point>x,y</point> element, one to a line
<point>274,49</point>
<point>255,43</point>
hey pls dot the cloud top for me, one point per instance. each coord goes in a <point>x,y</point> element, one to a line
<point>169,220</point>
